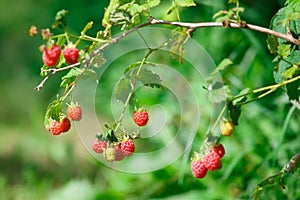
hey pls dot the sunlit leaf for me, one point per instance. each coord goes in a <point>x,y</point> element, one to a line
<point>152,3</point>
<point>223,64</point>
<point>284,50</point>
<point>53,112</point>
<point>60,20</point>
<point>280,73</point>
<point>70,77</point>
<point>123,89</point>
<point>185,3</point>
<point>149,78</point>
<point>291,72</point>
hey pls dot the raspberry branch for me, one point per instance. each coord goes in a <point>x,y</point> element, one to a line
<point>153,21</point>
<point>132,84</point>
<point>52,72</point>
<point>226,24</point>
<point>269,89</point>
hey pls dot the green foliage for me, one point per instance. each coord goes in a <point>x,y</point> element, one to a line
<point>136,74</point>
<point>291,167</point>
<point>126,14</point>
<point>286,21</point>
<point>60,20</point>
<point>178,38</point>
<point>70,77</point>
<point>234,112</point>
<point>123,89</point>
<point>180,3</point>
<point>184,3</point>
<point>54,170</point>
<point>233,14</point>
<point>54,112</point>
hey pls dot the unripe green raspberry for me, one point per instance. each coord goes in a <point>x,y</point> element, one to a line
<point>110,154</point>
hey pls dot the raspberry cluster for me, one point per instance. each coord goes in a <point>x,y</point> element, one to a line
<point>51,55</point>
<point>58,127</point>
<point>211,161</point>
<point>63,125</point>
<point>113,151</point>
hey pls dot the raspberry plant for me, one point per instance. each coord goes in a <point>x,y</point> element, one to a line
<point>131,16</point>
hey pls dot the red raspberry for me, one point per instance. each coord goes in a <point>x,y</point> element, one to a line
<point>219,149</point>
<point>119,154</point>
<point>98,146</point>
<point>66,124</point>
<point>56,127</point>
<point>71,55</point>
<point>75,112</point>
<point>127,146</point>
<point>212,161</point>
<point>198,169</point>
<point>140,117</point>
<point>51,55</point>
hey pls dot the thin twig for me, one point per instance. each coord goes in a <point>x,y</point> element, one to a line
<point>52,72</point>
<point>287,37</point>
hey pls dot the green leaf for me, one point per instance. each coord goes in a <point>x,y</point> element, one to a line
<point>284,65</point>
<point>53,112</point>
<point>145,77</point>
<point>179,37</point>
<point>106,21</point>
<point>110,135</point>
<point>221,13</point>
<point>284,50</point>
<point>149,78</point>
<point>98,61</point>
<point>171,10</point>
<point>44,71</point>
<point>152,3</point>
<point>287,21</point>
<point>293,90</point>
<point>60,20</point>
<point>70,77</point>
<point>185,3</point>
<point>234,112</point>
<point>90,73</point>
<point>223,64</point>
<point>291,72</point>
<point>217,92</point>
<point>123,89</point>
<point>272,44</point>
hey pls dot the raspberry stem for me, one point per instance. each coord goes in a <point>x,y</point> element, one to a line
<point>132,84</point>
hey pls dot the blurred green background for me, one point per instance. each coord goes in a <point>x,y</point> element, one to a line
<point>36,165</point>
